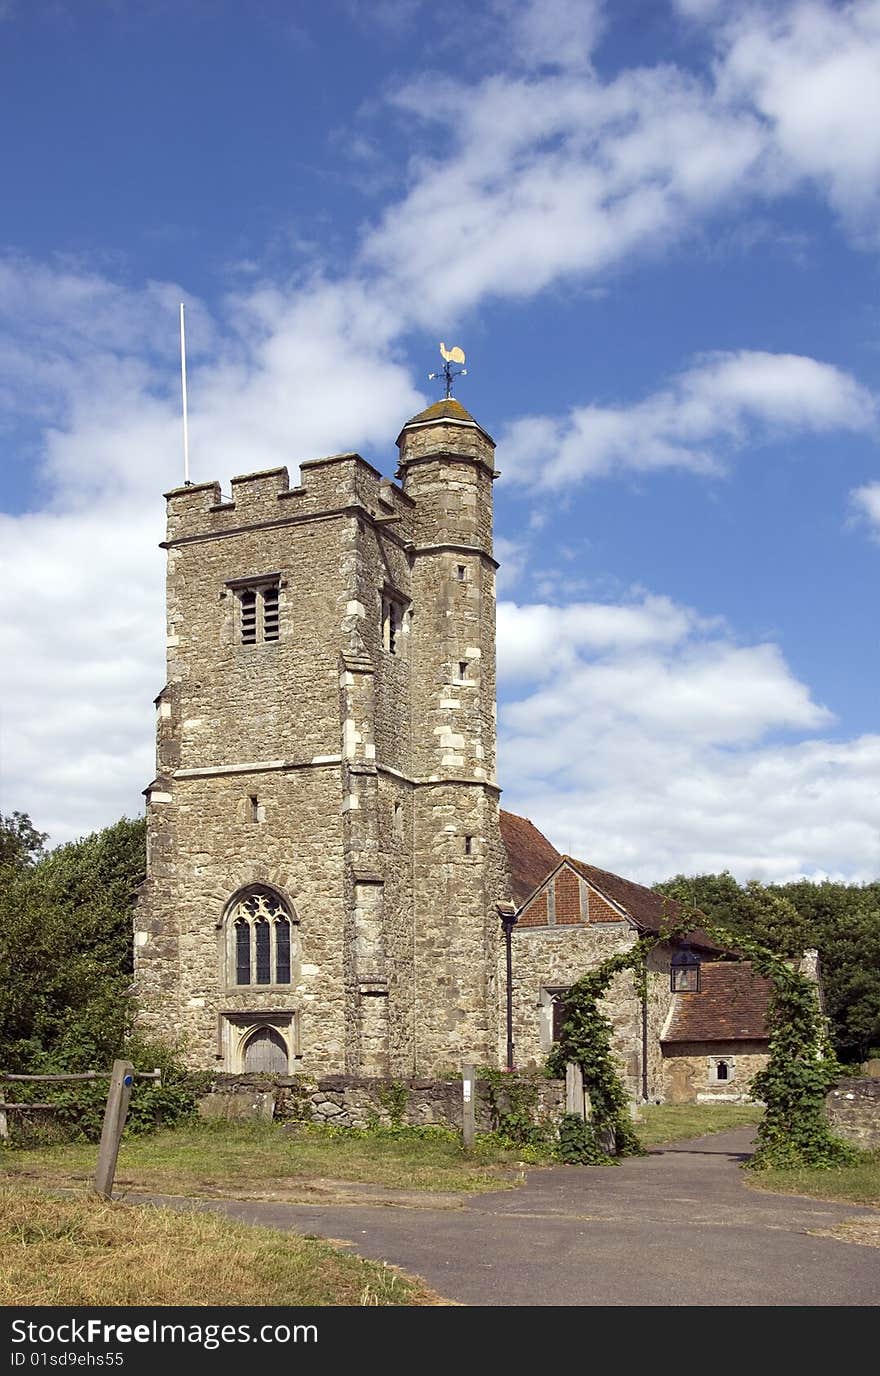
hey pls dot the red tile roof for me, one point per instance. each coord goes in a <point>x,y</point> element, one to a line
<point>731,1006</point>
<point>649,910</point>
<point>530,856</point>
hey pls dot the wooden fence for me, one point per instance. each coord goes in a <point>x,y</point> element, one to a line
<point>121,1078</point>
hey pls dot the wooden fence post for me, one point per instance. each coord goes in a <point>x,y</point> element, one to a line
<point>118,1095</point>
<point>574,1090</point>
<point>468,1105</point>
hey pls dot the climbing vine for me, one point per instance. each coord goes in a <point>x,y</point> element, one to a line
<point>514,1109</point>
<point>586,1039</point>
<point>801,1068</point>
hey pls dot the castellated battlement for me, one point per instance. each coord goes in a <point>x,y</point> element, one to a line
<point>327,486</point>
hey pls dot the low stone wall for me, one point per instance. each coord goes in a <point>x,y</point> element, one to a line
<point>854,1112</point>
<point>352,1102</point>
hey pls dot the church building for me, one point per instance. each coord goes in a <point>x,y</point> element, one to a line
<point>328,864</point>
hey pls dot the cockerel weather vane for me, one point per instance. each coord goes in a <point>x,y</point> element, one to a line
<point>449,356</point>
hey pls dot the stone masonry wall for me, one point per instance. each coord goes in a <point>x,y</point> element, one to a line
<point>204,848</point>
<point>853,1109</point>
<point>458,876</point>
<point>689,1075</point>
<point>553,958</point>
<point>352,1102</point>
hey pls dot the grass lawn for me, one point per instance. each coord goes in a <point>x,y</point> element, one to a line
<point>859,1184</point>
<point>86,1252</point>
<point>257,1159</point>
<point>660,1123</point>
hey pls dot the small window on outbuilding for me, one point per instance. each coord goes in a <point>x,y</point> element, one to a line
<point>558,1013</point>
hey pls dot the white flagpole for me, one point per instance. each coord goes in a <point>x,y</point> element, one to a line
<point>183,393</point>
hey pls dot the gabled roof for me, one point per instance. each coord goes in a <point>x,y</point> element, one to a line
<point>531,859</point>
<point>530,856</point>
<point>730,1006</point>
<point>650,911</point>
<point>647,909</point>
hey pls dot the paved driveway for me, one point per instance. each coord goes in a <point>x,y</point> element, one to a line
<point>678,1227</point>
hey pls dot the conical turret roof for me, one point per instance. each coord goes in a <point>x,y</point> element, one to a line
<point>448,409</point>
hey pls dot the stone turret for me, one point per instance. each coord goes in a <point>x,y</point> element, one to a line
<point>447,468</point>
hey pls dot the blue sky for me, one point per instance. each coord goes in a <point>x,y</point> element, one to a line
<point>653,228</point>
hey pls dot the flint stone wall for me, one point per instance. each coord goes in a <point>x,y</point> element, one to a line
<point>854,1112</point>
<point>356,1102</point>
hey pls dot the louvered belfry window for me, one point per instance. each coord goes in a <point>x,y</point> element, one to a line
<point>261,942</point>
<point>258,612</point>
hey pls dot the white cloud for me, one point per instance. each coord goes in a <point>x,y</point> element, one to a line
<point>512,555</point>
<point>714,408</point>
<point>654,744</point>
<point>554,176</point>
<point>812,71</point>
<point>561,174</point>
<point>773,813</point>
<point>866,500</point>
<point>536,640</point>
<point>552,33</point>
<point>84,632</point>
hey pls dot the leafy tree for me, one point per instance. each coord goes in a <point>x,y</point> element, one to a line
<point>21,845</point>
<point>66,972</point>
<point>65,950</point>
<point>845,920</point>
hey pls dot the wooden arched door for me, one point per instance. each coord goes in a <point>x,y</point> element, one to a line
<point>265,1053</point>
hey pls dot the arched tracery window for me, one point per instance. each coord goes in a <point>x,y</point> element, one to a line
<point>260,948</point>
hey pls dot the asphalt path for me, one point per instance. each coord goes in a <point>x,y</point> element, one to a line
<point>678,1227</point>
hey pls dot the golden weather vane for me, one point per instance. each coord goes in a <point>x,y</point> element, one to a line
<point>449,356</point>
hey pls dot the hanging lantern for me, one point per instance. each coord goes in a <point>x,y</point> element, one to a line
<point>684,972</point>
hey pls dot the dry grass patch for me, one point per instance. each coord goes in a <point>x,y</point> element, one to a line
<point>865,1231</point>
<point>84,1251</point>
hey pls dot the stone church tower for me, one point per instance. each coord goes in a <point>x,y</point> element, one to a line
<point>324,852</point>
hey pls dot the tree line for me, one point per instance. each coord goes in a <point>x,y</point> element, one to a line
<point>66,944</point>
